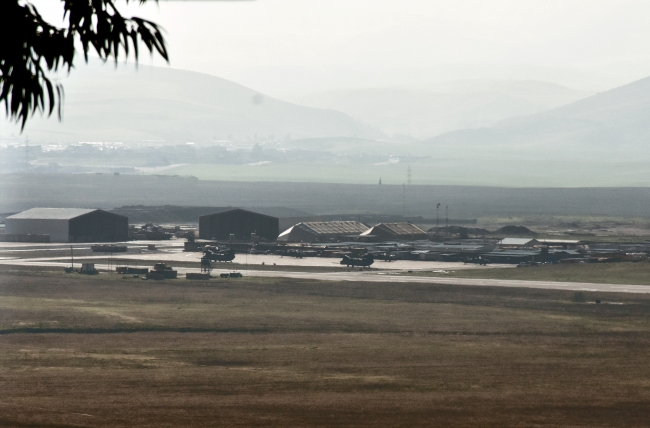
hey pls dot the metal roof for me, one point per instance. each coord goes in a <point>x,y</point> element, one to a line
<point>327,229</point>
<point>560,241</point>
<point>402,229</point>
<point>52,213</point>
<point>451,248</point>
<point>236,210</point>
<point>517,241</point>
<point>513,253</point>
<point>335,227</point>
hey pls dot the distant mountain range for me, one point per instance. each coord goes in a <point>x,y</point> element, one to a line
<point>495,120</point>
<point>163,104</point>
<point>610,122</point>
<point>426,112</point>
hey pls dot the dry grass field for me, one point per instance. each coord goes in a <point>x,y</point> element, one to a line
<point>81,351</point>
<point>602,273</point>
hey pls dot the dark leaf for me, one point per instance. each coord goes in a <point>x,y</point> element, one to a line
<point>31,48</point>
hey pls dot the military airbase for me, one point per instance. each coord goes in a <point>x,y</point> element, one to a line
<point>55,235</point>
<point>325,213</point>
<point>274,332</point>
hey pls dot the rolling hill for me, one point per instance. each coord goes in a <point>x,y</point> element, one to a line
<point>612,123</point>
<point>444,107</point>
<point>163,104</point>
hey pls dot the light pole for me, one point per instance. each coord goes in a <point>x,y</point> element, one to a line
<point>446,218</point>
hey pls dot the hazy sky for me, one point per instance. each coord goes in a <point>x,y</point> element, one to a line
<point>285,47</point>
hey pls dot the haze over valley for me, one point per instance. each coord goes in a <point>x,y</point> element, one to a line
<point>446,106</point>
<point>503,133</point>
<point>406,93</point>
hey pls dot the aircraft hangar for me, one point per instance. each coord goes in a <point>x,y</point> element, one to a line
<point>240,223</point>
<point>69,224</point>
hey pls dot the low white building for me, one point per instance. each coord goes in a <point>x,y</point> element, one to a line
<point>518,242</point>
<point>567,244</point>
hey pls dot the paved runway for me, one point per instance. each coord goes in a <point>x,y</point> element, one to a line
<point>388,276</point>
<point>405,278</point>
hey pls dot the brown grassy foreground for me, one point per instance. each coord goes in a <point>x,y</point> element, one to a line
<point>602,273</point>
<point>111,351</point>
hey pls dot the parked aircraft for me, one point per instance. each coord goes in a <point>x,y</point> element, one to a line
<point>219,254</point>
<point>364,261</point>
<point>478,260</point>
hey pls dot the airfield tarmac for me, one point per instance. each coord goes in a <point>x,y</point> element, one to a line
<point>253,261</point>
<point>170,252</point>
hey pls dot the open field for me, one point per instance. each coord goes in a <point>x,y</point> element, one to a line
<point>440,169</point>
<point>113,351</point>
<point>601,273</point>
<point>23,191</point>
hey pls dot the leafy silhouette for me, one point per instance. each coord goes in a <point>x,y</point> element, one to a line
<point>30,47</point>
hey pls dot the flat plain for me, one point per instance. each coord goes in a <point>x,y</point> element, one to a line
<point>110,350</point>
<point>601,273</point>
<point>23,191</point>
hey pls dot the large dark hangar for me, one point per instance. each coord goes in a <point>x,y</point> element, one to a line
<point>70,224</point>
<point>240,223</point>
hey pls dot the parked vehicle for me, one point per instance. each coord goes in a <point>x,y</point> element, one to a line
<point>478,260</point>
<point>231,275</point>
<point>526,264</point>
<point>162,271</point>
<point>108,248</point>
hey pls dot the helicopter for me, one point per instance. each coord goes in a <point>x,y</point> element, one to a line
<point>364,261</point>
<point>219,254</point>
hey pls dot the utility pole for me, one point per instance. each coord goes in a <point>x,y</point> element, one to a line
<point>437,216</point>
<point>447,218</point>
